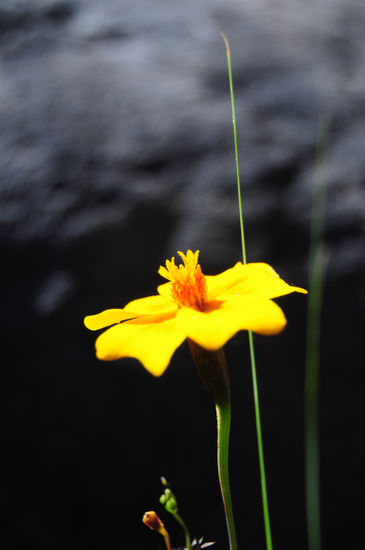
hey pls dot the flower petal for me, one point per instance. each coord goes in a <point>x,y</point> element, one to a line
<point>259,279</point>
<point>165,290</point>
<point>107,318</point>
<point>152,343</point>
<point>151,305</point>
<point>222,319</point>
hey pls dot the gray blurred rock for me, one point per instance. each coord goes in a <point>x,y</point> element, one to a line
<point>106,107</point>
<point>55,291</point>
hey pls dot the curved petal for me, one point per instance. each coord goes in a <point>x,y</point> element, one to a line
<point>216,284</point>
<point>212,328</point>
<point>107,318</point>
<point>165,291</point>
<point>152,343</point>
<point>258,279</point>
<point>151,305</point>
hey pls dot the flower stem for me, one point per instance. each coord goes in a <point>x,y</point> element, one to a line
<point>185,529</point>
<point>265,502</point>
<point>168,500</point>
<point>223,431</point>
<point>213,371</point>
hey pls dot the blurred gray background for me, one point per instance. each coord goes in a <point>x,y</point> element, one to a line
<point>116,150</point>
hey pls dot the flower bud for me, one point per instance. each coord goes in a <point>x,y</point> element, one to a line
<point>152,521</point>
<point>168,500</point>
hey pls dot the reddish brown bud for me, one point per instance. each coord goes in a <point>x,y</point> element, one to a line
<point>152,521</point>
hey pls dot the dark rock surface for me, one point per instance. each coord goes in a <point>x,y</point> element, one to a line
<point>115,151</point>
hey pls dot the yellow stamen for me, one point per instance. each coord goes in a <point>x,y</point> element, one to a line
<point>188,284</point>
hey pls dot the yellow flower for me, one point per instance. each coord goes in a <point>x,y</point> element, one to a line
<point>207,309</point>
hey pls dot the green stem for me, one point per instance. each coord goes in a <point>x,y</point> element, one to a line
<point>265,502</point>
<point>186,531</point>
<point>223,430</point>
<point>311,405</point>
<point>243,241</point>
<point>311,400</point>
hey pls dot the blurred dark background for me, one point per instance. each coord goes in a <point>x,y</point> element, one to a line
<point>116,150</point>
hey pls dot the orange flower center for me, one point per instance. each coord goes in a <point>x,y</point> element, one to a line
<point>188,284</point>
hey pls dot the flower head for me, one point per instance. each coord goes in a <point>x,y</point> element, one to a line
<point>207,309</point>
<point>188,284</point>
